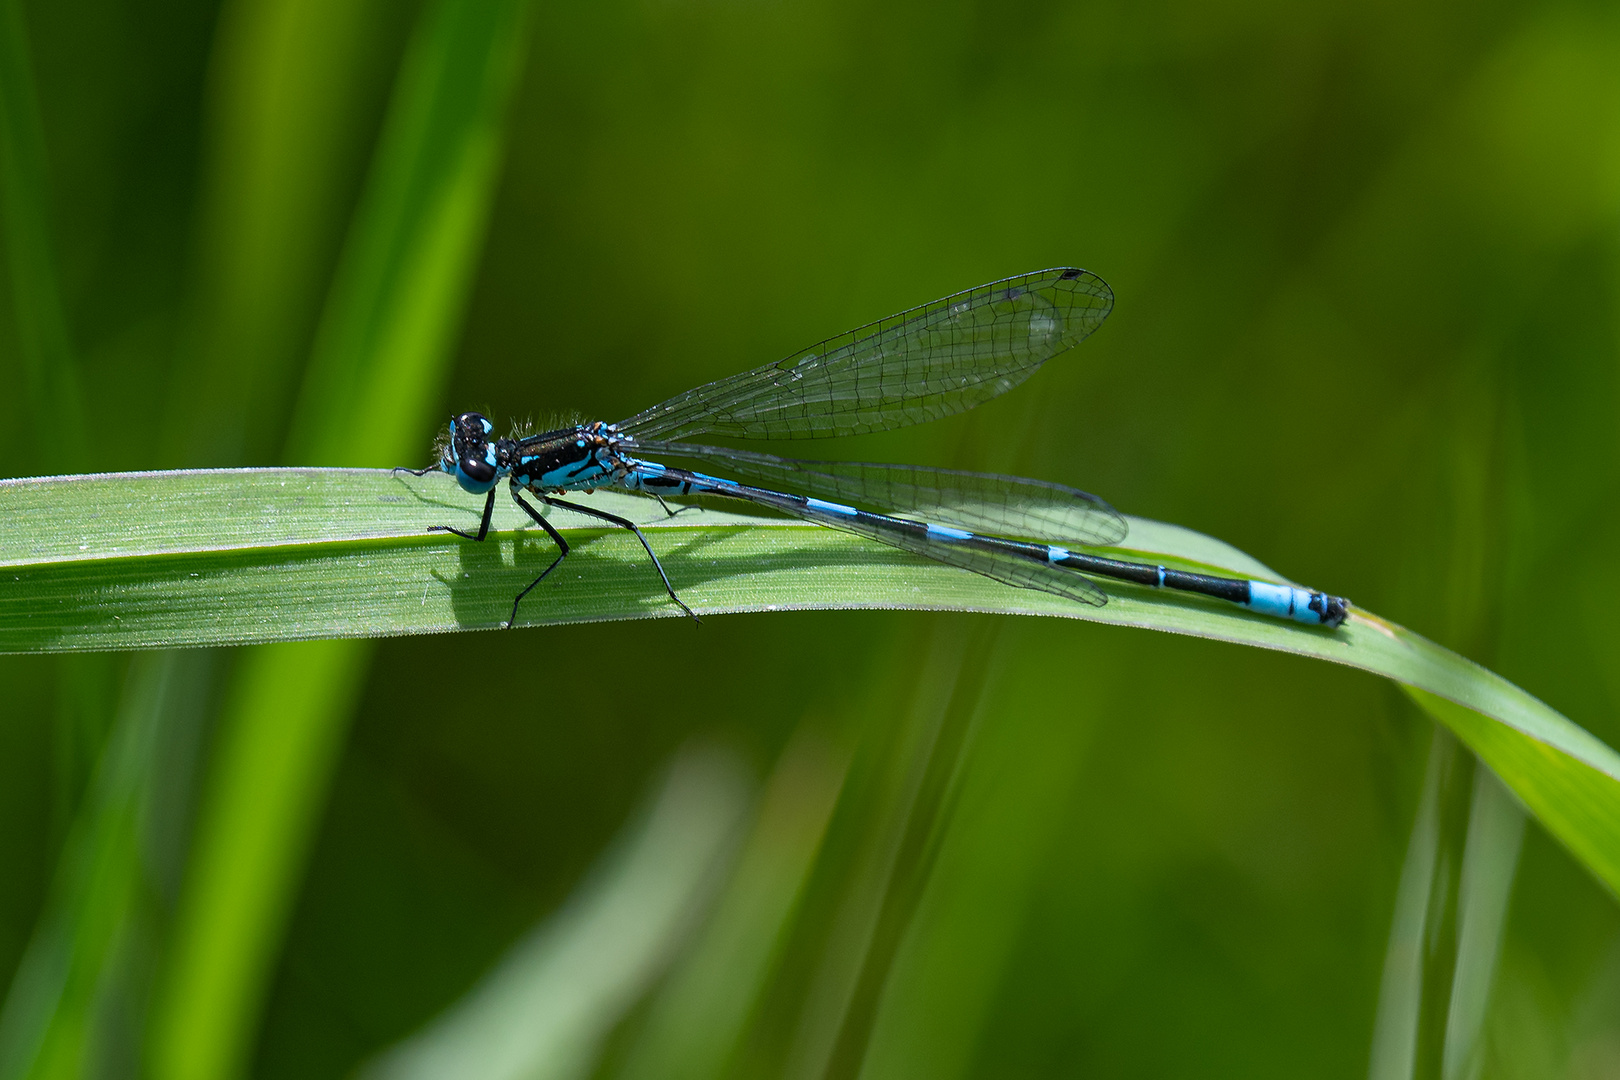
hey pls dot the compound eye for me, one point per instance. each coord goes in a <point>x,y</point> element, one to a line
<point>480,470</point>
<point>474,453</point>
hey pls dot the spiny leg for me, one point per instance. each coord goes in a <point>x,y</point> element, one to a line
<point>625,523</point>
<point>562,552</point>
<point>483,526</point>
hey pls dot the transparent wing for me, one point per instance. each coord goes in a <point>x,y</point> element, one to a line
<point>932,361</point>
<point>1002,566</point>
<point>1008,507</point>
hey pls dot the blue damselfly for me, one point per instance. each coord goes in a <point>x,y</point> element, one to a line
<point>932,361</point>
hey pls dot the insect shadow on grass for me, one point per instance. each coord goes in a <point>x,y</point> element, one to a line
<point>620,582</point>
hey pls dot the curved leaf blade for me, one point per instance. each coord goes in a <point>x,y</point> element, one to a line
<point>237,556</point>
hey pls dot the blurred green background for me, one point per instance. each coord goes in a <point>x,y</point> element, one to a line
<point>1367,329</point>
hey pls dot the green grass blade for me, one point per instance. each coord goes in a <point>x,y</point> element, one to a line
<point>1395,1032</point>
<point>262,555</point>
<point>1571,791</point>
<point>49,1019</point>
<point>548,1005</point>
<point>695,1023</point>
<point>396,305</point>
<point>1450,914</point>
<point>294,97</point>
<point>1490,864</point>
<point>239,556</point>
<point>382,352</point>
<point>876,857</point>
<point>923,817</point>
<point>78,967</point>
<point>942,989</point>
<point>279,742</point>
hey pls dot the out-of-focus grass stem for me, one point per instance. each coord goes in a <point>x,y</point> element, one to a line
<point>50,378</point>
<point>382,352</point>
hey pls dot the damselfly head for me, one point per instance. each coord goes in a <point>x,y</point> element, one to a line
<point>469,455</point>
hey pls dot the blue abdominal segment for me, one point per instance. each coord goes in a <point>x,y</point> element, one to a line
<point>1287,602</point>
<point>831,508</point>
